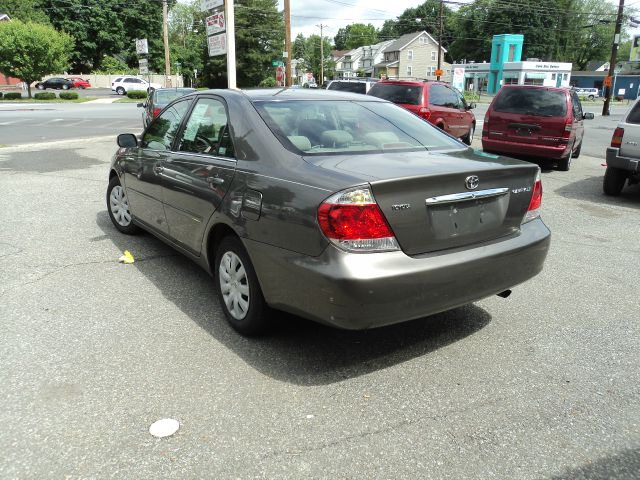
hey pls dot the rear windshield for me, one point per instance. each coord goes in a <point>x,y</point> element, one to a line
<point>340,126</point>
<point>407,94</point>
<point>164,96</point>
<point>532,101</point>
<point>353,87</point>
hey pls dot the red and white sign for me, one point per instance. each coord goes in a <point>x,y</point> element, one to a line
<point>280,76</point>
<point>215,23</point>
<point>217,44</point>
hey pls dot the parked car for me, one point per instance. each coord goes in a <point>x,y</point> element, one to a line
<point>535,121</point>
<point>158,99</point>
<point>590,93</point>
<point>436,102</point>
<point>623,156</point>
<point>353,85</point>
<point>80,83</point>
<point>377,218</point>
<point>57,83</point>
<point>122,85</point>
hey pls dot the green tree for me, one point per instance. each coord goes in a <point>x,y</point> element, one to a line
<point>299,46</point>
<point>312,57</point>
<point>25,10</point>
<point>30,51</point>
<point>355,35</point>
<point>186,37</point>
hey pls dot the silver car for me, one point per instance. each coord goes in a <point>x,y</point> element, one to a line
<point>337,207</point>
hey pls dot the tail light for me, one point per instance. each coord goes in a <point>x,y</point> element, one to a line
<point>535,203</point>
<point>424,113</point>
<point>616,140</point>
<point>566,133</point>
<point>156,111</point>
<point>352,220</point>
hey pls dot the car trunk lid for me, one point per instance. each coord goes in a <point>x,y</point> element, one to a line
<point>435,202</point>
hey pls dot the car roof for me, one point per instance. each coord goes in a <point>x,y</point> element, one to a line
<point>305,94</point>
<point>537,87</point>
<point>409,82</point>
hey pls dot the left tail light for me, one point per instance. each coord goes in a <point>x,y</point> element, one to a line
<point>616,139</point>
<point>353,221</point>
<point>535,203</point>
<point>156,111</point>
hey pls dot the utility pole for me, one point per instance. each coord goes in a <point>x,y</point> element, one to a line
<point>321,54</point>
<point>165,32</point>
<point>287,43</point>
<point>440,42</point>
<point>614,59</point>
<point>231,43</point>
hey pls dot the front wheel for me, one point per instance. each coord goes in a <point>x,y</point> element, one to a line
<point>118,207</point>
<point>120,91</point>
<point>40,86</point>
<point>468,138</point>
<point>591,97</point>
<point>614,180</point>
<point>238,288</point>
<point>65,87</point>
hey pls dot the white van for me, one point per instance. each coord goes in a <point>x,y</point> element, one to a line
<point>590,93</point>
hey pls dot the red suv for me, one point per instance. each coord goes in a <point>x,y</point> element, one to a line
<point>535,121</point>
<point>435,102</point>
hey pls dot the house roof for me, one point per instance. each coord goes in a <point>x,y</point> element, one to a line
<point>406,39</point>
<point>4,16</point>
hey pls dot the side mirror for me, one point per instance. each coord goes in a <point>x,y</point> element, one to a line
<point>127,140</point>
<point>140,105</point>
<point>588,116</point>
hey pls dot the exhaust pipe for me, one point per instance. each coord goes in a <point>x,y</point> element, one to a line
<point>504,294</point>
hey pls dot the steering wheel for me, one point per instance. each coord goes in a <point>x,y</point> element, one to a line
<point>203,145</point>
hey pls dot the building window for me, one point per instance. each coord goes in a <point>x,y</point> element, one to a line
<point>431,71</point>
<point>434,55</point>
<point>553,76</point>
<point>409,70</point>
<point>565,76</point>
<point>512,53</point>
<point>423,40</point>
<point>409,54</point>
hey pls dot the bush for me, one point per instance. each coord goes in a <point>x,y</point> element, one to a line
<point>68,95</point>
<point>268,82</point>
<point>13,96</point>
<point>137,94</point>
<point>44,96</point>
<point>471,96</point>
<point>1,94</point>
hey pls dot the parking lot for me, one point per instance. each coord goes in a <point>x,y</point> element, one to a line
<point>542,385</point>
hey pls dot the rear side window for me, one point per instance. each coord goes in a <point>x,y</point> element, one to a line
<point>532,101</point>
<point>406,94</point>
<point>634,114</point>
<point>353,87</point>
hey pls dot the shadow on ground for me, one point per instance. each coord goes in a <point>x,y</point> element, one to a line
<point>621,466</point>
<point>590,190</point>
<point>296,350</point>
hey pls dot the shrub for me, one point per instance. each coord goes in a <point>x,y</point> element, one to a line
<point>471,96</point>
<point>12,96</point>
<point>68,95</point>
<point>137,94</point>
<point>1,94</point>
<point>268,82</point>
<point>44,96</point>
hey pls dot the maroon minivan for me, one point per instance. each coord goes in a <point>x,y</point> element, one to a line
<point>535,121</point>
<point>435,102</point>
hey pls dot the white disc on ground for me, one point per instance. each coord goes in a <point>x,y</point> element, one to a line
<point>164,427</point>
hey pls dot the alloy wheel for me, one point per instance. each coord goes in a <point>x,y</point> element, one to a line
<point>234,285</point>
<point>119,205</point>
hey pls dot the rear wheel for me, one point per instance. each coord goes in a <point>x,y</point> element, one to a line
<point>591,97</point>
<point>40,86</point>
<point>65,87</point>
<point>468,138</point>
<point>565,163</point>
<point>120,91</point>
<point>238,288</point>
<point>614,180</point>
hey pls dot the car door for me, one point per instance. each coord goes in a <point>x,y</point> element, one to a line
<point>464,118</point>
<point>578,120</point>
<point>442,108</point>
<point>197,175</point>
<point>143,168</point>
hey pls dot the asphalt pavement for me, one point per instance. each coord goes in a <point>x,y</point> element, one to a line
<point>542,385</point>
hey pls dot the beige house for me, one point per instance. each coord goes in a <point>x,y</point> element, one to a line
<point>414,55</point>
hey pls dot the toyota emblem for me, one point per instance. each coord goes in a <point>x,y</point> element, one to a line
<point>472,182</point>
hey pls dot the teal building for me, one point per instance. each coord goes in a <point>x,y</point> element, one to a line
<point>504,48</point>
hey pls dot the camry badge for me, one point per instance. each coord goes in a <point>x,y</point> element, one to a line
<point>401,206</point>
<point>472,182</point>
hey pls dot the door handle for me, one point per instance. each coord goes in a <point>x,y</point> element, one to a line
<point>215,180</point>
<point>157,169</point>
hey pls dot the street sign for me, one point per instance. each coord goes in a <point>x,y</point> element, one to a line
<point>215,23</point>
<point>607,81</point>
<point>280,76</point>
<point>143,62</point>
<point>439,73</point>
<point>142,47</point>
<point>277,63</point>
<point>144,69</point>
<point>217,44</point>
<point>209,4</point>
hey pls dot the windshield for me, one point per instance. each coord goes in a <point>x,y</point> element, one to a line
<point>340,126</point>
<point>532,101</point>
<point>406,94</point>
<point>165,96</point>
<point>353,87</point>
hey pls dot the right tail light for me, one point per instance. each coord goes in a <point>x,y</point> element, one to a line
<point>535,203</point>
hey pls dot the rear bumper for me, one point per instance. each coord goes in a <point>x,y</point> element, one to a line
<point>515,148</point>
<point>359,291</point>
<point>623,163</point>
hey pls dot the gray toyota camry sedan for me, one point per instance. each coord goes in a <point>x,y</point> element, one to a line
<point>337,207</point>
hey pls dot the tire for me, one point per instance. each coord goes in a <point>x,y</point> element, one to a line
<point>238,288</point>
<point>118,208</point>
<point>592,98</point>
<point>468,138</point>
<point>120,91</point>
<point>614,180</point>
<point>564,164</point>
<point>40,86</point>
<point>576,154</point>
<point>65,87</point>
